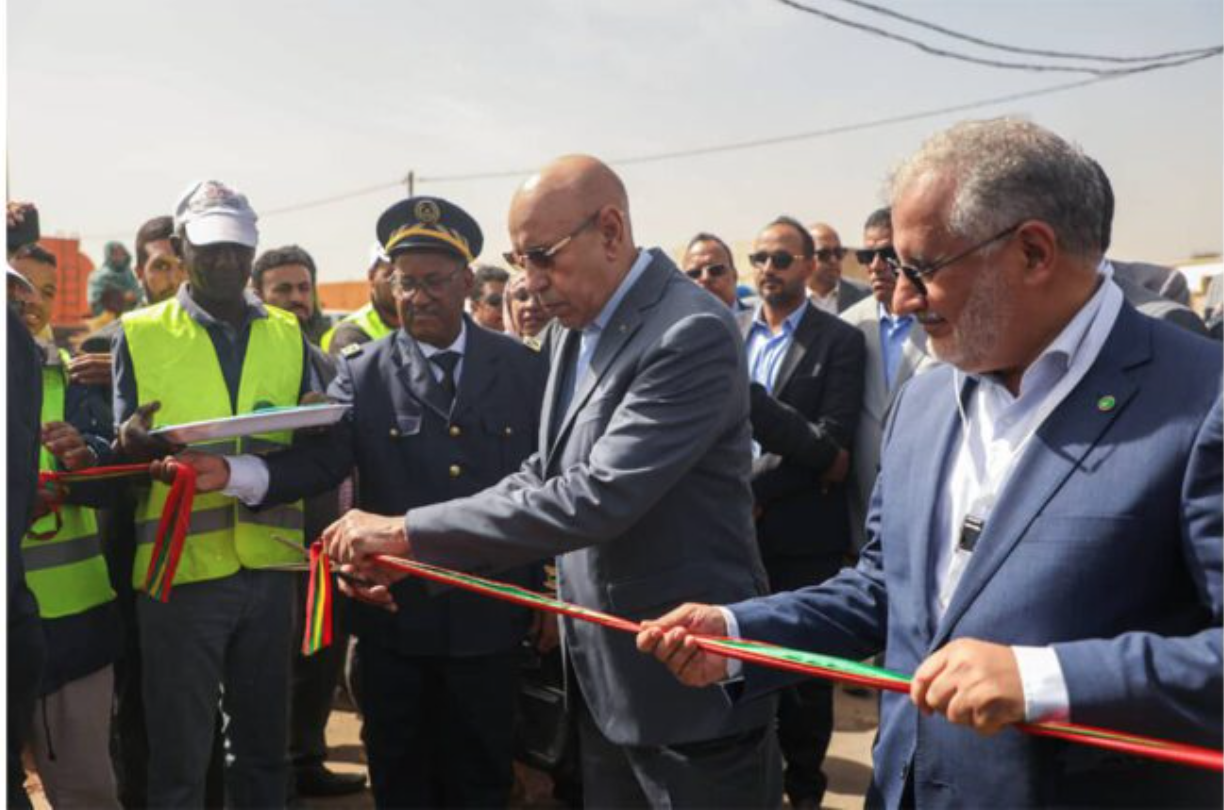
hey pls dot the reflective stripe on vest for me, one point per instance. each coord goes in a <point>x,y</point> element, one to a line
<point>67,573</point>
<point>174,362</point>
<point>367,318</point>
<point>288,517</point>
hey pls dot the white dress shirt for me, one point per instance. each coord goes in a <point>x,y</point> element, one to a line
<point>248,480</point>
<point>825,303</point>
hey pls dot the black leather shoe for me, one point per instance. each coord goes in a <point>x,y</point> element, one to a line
<point>316,780</point>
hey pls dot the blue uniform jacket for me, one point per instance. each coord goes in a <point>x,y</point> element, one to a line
<point>409,451</point>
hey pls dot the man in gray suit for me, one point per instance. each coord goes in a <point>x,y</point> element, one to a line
<point>896,351</point>
<point>640,483</point>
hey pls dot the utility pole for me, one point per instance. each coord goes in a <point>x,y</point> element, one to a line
<point>410,181</point>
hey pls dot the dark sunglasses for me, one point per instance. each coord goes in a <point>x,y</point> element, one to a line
<point>779,258</point>
<point>542,257</point>
<point>867,256</point>
<point>828,254</point>
<point>711,270</point>
<point>521,296</point>
<point>917,275</point>
<point>494,300</point>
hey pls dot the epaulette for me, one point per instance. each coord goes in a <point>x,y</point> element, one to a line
<point>352,350</point>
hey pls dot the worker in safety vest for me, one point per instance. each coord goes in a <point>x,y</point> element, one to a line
<point>213,351</point>
<point>376,319</point>
<point>67,573</point>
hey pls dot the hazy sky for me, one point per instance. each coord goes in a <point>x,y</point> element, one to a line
<point>113,107</point>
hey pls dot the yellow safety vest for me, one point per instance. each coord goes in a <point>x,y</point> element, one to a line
<point>367,318</point>
<point>67,573</point>
<point>174,362</point>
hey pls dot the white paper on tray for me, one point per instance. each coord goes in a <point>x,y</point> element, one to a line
<point>249,424</point>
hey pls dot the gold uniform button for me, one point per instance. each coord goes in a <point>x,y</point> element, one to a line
<point>455,471</point>
<point>509,431</point>
<point>455,432</point>
<point>394,432</point>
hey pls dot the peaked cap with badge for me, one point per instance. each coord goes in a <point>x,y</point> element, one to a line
<point>429,224</point>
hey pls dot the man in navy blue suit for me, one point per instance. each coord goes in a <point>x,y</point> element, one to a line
<point>1045,533</point>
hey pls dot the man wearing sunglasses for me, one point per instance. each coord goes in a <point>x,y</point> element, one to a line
<point>488,296</point>
<point>1046,527</point>
<point>441,409</point>
<point>829,291</point>
<point>639,483</point>
<point>896,350</point>
<point>807,384</point>
<point>707,261</point>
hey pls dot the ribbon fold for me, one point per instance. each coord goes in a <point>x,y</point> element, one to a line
<point>171,527</point>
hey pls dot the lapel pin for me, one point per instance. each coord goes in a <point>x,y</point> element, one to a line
<point>1106,403</point>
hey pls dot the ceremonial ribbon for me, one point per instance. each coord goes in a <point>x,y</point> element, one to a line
<point>171,528</point>
<point>806,663</point>
<point>318,633</point>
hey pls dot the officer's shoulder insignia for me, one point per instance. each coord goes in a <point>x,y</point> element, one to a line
<point>352,350</point>
<point>427,211</point>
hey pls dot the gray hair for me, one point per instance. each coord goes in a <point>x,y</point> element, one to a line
<point>1006,171</point>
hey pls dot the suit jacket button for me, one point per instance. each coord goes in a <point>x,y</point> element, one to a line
<point>455,471</point>
<point>509,431</point>
<point>394,432</point>
<point>455,432</point>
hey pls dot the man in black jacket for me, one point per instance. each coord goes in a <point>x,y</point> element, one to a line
<point>807,389</point>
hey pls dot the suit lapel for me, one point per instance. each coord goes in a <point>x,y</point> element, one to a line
<point>805,335</point>
<point>414,374</point>
<point>624,322</point>
<point>927,492</point>
<point>1055,452</point>
<point>479,370</point>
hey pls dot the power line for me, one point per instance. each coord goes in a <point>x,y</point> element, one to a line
<point>1034,67</point>
<point>734,146</point>
<point>887,12</point>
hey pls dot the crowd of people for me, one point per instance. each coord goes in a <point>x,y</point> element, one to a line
<point>996,466</point>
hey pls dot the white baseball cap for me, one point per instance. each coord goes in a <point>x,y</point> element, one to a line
<point>212,212</point>
<point>377,256</point>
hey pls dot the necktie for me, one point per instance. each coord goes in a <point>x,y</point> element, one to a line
<point>447,362</point>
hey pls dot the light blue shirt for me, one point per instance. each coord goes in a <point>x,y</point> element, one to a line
<point>893,332</point>
<point>765,350</point>
<point>592,332</point>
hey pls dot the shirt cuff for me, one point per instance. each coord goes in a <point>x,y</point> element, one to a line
<point>248,479</point>
<point>1045,689</point>
<point>735,667</point>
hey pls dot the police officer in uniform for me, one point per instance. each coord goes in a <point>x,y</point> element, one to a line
<point>440,409</point>
<point>213,351</point>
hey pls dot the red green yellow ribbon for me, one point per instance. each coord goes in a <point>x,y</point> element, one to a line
<point>318,633</point>
<point>799,661</point>
<point>171,527</point>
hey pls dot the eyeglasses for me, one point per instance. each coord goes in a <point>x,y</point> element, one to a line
<point>432,285</point>
<point>916,275</point>
<point>828,254</point>
<point>867,256</point>
<point>779,258</point>
<point>542,257</point>
<point>711,270</point>
<point>522,296</point>
<point>494,300</point>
